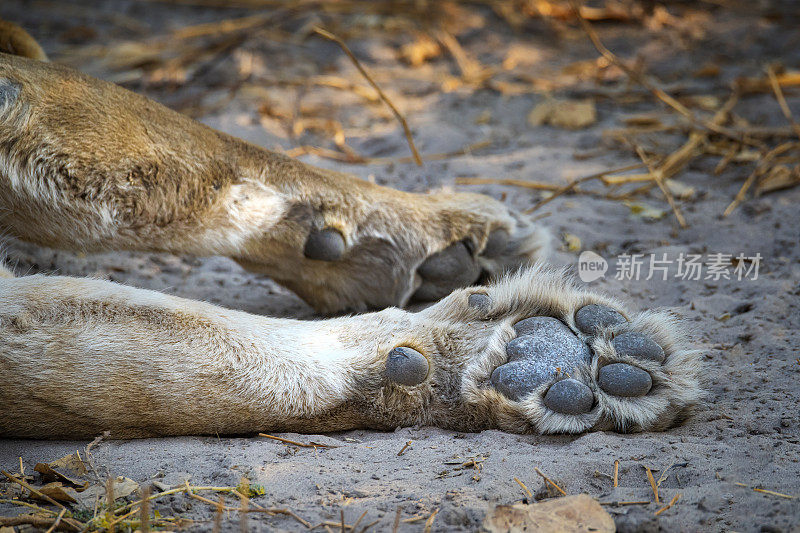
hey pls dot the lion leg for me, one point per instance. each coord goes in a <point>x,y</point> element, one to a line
<point>90,166</point>
<point>530,353</point>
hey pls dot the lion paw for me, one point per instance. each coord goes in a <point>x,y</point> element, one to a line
<point>533,353</point>
<point>394,248</point>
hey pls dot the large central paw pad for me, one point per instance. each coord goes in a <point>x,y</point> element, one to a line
<point>544,349</point>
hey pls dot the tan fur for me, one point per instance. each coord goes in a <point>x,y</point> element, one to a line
<point>16,41</point>
<point>86,165</point>
<point>84,356</point>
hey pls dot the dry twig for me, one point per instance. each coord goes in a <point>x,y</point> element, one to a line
<point>652,482</point>
<point>670,504</point>
<point>429,521</point>
<point>526,489</point>
<point>32,489</point>
<point>328,35</point>
<point>404,448</point>
<point>574,183</point>
<point>551,482</point>
<point>296,443</point>
<point>776,88</point>
<point>659,178</point>
<point>644,82</point>
<point>762,167</point>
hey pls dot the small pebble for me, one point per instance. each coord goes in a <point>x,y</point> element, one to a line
<point>621,379</point>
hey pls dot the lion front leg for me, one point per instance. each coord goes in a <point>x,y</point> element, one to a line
<point>80,356</point>
<point>530,353</point>
<point>87,165</point>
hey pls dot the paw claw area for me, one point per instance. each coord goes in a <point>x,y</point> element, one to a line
<point>592,317</point>
<point>570,397</point>
<point>621,379</point>
<point>324,245</point>
<point>496,244</point>
<point>445,271</point>
<point>638,345</point>
<point>406,366</point>
<point>545,348</point>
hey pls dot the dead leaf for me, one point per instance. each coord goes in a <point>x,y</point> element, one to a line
<point>566,114</point>
<point>71,462</point>
<point>642,119</point>
<point>645,211</point>
<point>56,491</point>
<point>50,474</point>
<point>572,243</point>
<point>124,486</point>
<point>680,190</point>
<point>97,493</point>
<point>778,177</point>
<point>569,514</point>
<point>422,50</point>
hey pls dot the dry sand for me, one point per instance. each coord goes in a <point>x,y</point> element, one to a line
<point>746,432</point>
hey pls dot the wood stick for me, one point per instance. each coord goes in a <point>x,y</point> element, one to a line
<point>526,489</point>
<point>762,167</point>
<point>670,504</point>
<point>574,183</point>
<point>366,527</point>
<point>41,523</point>
<point>429,521</point>
<point>218,514</point>
<point>776,88</point>
<point>616,472</point>
<point>328,35</point>
<point>355,524</point>
<point>550,481</point>
<point>144,511</point>
<point>659,177</point>
<point>57,522</point>
<point>404,448</point>
<point>110,498</point>
<point>245,504</point>
<point>295,443</point>
<point>30,505</point>
<point>32,489</point>
<point>652,482</point>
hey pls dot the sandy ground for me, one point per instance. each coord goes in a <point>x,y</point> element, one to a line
<point>746,432</point>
